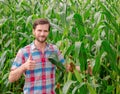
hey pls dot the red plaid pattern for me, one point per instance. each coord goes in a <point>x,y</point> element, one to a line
<point>41,80</point>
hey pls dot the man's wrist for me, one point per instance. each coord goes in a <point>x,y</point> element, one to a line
<point>23,68</point>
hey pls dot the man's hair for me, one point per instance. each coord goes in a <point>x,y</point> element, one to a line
<point>41,21</point>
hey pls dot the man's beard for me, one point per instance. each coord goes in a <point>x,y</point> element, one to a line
<point>41,41</point>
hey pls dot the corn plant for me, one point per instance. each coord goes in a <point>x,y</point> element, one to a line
<point>86,31</point>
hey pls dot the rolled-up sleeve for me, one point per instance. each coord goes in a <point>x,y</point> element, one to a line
<point>19,59</point>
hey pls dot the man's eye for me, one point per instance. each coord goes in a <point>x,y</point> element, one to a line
<point>45,31</point>
<point>39,30</point>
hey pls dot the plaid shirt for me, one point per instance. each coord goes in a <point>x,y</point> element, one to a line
<point>41,80</point>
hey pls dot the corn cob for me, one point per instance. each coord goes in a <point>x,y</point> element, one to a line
<point>53,58</point>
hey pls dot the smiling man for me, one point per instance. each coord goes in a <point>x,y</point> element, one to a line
<point>32,60</point>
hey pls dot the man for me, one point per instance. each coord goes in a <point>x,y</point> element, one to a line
<point>32,60</point>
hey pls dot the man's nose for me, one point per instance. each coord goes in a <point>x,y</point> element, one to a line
<point>42,33</point>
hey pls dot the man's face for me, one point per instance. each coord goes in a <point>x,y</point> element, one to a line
<point>41,32</point>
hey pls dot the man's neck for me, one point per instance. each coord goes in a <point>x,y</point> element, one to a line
<point>40,46</point>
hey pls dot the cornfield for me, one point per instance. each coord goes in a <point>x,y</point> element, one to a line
<point>87,32</point>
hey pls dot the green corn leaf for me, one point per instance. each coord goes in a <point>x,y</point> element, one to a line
<point>79,24</point>
<point>83,57</point>
<point>78,75</point>
<point>110,89</point>
<point>112,55</point>
<point>91,89</point>
<point>78,87</point>
<point>67,86</point>
<point>80,55</point>
<point>97,65</point>
<point>110,17</point>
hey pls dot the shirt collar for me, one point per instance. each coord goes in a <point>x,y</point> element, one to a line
<point>33,47</point>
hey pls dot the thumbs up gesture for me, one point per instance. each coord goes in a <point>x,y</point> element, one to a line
<point>29,64</point>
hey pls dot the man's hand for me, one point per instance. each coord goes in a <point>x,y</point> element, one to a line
<point>29,64</point>
<point>16,73</point>
<point>70,67</point>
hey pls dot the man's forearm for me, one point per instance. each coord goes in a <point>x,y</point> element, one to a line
<point>16,74</point>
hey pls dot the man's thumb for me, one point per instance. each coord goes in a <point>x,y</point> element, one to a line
<point>30,57</point>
